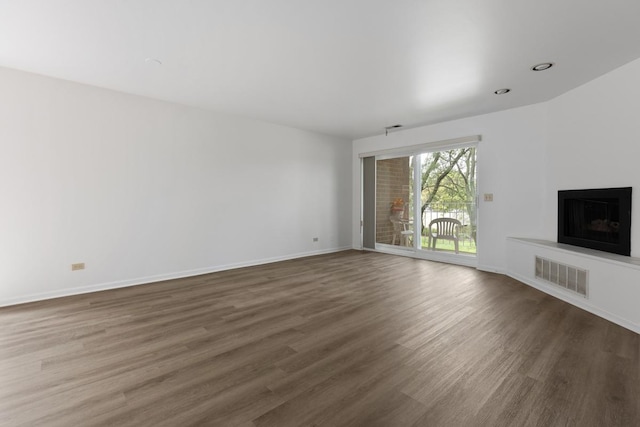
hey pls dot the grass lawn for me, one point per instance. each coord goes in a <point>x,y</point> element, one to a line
<point>466,246</point>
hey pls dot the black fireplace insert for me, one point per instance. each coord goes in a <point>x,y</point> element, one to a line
<point>597,219</point>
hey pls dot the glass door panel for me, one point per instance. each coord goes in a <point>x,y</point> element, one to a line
<point>395,201</point>
<point>448,201</point>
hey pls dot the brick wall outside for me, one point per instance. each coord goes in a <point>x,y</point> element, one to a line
<point>393,177</point>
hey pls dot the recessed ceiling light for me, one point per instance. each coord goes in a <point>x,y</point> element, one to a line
<point>542,67</point>
<point>153,61</point>
<point>502,91</point>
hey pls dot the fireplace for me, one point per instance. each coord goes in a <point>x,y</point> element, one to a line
<point>597,219</point>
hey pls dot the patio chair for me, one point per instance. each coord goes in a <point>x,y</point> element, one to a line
<point>444,228</point>
<point>401,231</point>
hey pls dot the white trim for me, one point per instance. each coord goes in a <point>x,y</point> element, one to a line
<point>491,269</point>
<point>375,201</point>
<point>427,255</point>
<point>449,258</point>
<point>361,222</point>
<point>449,144</point>
<point>417,210</point>
<point>577,301</point>
<point>395,249</point>
<point>158,278</point>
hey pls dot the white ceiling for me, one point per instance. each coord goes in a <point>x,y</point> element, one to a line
<point>341,67</point>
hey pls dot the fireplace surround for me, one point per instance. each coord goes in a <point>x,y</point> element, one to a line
<point>596,218</point>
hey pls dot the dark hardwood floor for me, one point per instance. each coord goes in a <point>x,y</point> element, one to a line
<point>343,339</point>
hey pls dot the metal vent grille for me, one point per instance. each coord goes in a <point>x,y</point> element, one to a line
<point>565,276</point>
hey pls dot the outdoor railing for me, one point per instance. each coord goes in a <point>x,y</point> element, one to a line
<point>458,210</point>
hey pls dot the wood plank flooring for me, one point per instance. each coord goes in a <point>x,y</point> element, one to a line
<point>344,339</point>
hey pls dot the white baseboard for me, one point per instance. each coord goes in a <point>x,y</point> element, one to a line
<point>491,269</point>
<point>157,278</point>
<point>578,302</point>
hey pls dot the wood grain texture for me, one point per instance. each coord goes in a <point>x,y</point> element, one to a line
<point>346,339</point>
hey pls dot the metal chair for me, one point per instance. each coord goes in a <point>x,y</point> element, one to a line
<point>444,228</point>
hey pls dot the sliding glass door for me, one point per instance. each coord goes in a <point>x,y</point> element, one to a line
<point>425,203</point>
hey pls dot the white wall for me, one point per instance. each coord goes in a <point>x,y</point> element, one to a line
<point>594,141</point>
<point>142,190</point>
<point>509,158</point>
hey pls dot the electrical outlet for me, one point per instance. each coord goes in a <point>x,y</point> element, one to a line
<point>78,266</point>
<point>315,239</point>
<point>488,197</point>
